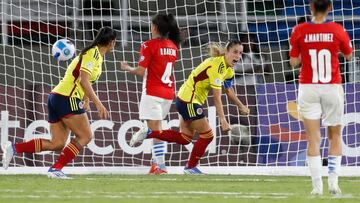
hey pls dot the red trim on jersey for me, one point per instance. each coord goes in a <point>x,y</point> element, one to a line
<point>201,76</point>
<point>76,74</point>
<point>76,71</point>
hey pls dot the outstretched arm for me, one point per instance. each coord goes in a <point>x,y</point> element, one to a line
<point>232,96</point>
<point>225,126</point>
<point>133,70</point>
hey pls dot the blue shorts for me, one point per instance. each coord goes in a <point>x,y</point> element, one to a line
<point>189,111</point>
<point>60,106</point>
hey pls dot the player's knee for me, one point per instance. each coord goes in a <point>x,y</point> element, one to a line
<point>57,146</point>
<point>85,140</point>
<point>334,135</point>
<point>334,138</point>
<point>208,135</point>
<point>186,139</point>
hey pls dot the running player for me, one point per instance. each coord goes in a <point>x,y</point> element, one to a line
<point>156,64</point>
<point>316,45</point>
<point>212,74</point>
<point>66,107</point>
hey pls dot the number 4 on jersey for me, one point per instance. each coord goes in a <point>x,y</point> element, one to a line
<point>165,78</point>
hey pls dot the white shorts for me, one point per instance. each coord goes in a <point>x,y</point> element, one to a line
<point>325,101</point>
<point>154,108</point>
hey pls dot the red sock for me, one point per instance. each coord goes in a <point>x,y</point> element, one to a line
<point>68,154</point>
<point>199,148</point>
<point>31,146</point>
<point>171,136</point>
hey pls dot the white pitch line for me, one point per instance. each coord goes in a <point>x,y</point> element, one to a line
<point>191,179</point>
<point>90,197</point>
<point>128,196</point>
<point>161,194</point>
<point>215,193</point>
<point>133,197</point>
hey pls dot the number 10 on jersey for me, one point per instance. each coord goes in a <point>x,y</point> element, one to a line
<point>321,65</point>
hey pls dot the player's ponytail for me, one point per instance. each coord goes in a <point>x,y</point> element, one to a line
<point>174,31</point>
<point>167,27</point>
<point>215,49</point>
<point>103,38</point>
<point>321,6</point>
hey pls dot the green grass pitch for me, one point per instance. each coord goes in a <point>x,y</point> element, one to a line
<point>169,188</point>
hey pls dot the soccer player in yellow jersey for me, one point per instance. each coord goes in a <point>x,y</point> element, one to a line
<point>213,74</point>
<point>66,106</point>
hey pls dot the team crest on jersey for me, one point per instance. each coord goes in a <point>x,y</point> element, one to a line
<point>81,104</point>
<point>142,58</point>
<point>199,111</point>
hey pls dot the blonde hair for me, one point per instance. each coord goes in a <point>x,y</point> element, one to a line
<point>215,49</point>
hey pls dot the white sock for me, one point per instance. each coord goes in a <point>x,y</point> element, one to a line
<point>158,150</point>
<point>314,163</point>
<point>334,164</point>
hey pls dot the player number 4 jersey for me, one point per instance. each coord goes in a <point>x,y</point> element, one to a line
<point>318,46</point>
<point>158,57</point>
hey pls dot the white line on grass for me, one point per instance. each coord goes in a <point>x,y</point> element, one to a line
<point>191,179</point>
<point>174,196</point>
<point>214,193</point>
<point>158,195</point>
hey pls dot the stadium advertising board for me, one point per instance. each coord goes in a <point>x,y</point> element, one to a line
<point>280,134</point>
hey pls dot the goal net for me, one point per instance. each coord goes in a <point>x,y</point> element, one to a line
<point>272,136</point>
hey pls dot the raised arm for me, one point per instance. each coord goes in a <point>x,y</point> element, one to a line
<point>133,70</point>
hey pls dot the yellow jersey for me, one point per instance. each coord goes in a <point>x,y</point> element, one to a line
<point>211,73</point>
<point>91,63</point>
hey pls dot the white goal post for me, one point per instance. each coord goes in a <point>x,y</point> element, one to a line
<point>271,141</point>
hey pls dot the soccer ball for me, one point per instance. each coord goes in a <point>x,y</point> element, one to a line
<point>240,135</point>
<point>63,50</point>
